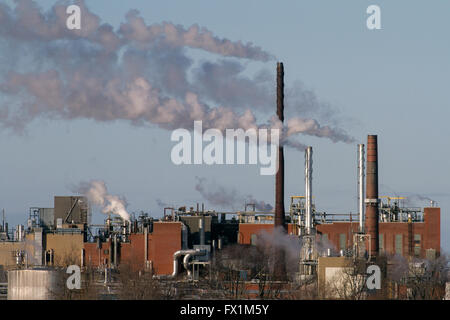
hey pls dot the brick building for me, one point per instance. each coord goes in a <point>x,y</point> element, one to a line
<point>420,239</point>
<point>162,242</point>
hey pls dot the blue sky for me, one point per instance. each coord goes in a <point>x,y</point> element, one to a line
<point>391,82</point>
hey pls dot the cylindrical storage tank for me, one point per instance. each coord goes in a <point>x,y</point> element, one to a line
<point>32,284</point>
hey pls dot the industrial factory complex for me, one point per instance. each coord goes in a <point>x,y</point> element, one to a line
<point>184,242</point>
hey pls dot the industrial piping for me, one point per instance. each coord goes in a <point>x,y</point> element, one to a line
<point>361,186</point>
<point>176,255</point>
<point>308,189</point>
<point>372,195</point>
<point>188,256</point>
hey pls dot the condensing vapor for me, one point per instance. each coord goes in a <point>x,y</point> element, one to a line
<point>224,197</point>
<point>139,73</point>
<point>232,246</point>
<point>97,194</point>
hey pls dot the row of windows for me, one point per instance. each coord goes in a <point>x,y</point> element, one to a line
<point>398,248</point>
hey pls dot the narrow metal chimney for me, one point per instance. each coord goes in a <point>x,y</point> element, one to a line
<point>279,185</point>
<point>361,178</point>
<point>308,189</point>
<point>372,194</point>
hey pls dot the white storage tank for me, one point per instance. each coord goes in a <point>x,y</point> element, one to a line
<point>32,284</point>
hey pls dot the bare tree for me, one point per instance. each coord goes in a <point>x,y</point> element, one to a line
<point>89,290</point>
<point>243,271</point>
<point>419,279</point>
<point>137,285</point>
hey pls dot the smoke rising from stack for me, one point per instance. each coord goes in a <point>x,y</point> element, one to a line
<point>161,203</point>
<point>97,194</point>
<point>414,198</point>
<point>227,197</point>
<point>139,73</point>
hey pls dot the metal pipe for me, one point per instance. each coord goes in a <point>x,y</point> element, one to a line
<point>145,244</point>
<point>115,250</point>
<point>201,226</point>
<point>82,258</point>
<point>176,255</point>
<point>188,256</point>
<point>308,189</point>
<point>372,194</point>
<point>361,178</point>
<point>110,251</point>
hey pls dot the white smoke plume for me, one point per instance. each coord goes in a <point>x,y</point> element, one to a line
<point>138,73</point>
<point>278,239</point>
<point>227,197</point>
<point>97,194</point>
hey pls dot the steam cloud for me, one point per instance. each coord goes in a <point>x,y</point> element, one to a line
<point>138,73</point>
<point>291,244</point>
<point>227,197</point>
<point>97,194</point>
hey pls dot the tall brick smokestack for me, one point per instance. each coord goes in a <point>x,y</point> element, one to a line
<point>280,268</point>
<point>372,194</point>
<point>279,186</point>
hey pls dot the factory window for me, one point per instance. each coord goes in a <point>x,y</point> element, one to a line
<point>253,239</point>
<point>399,244</point>
<point>325,237</point>
<point>342,241</point>
<point>417,240</point>
<point>381,242</point>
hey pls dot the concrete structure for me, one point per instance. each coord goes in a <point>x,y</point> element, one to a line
<point>64,247</point>
<point>7,250</point>
<point>71,209</point>
<point>333,274</point>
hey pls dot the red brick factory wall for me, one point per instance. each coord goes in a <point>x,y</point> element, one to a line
<point>429,231</point>
<point>162,243</point>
